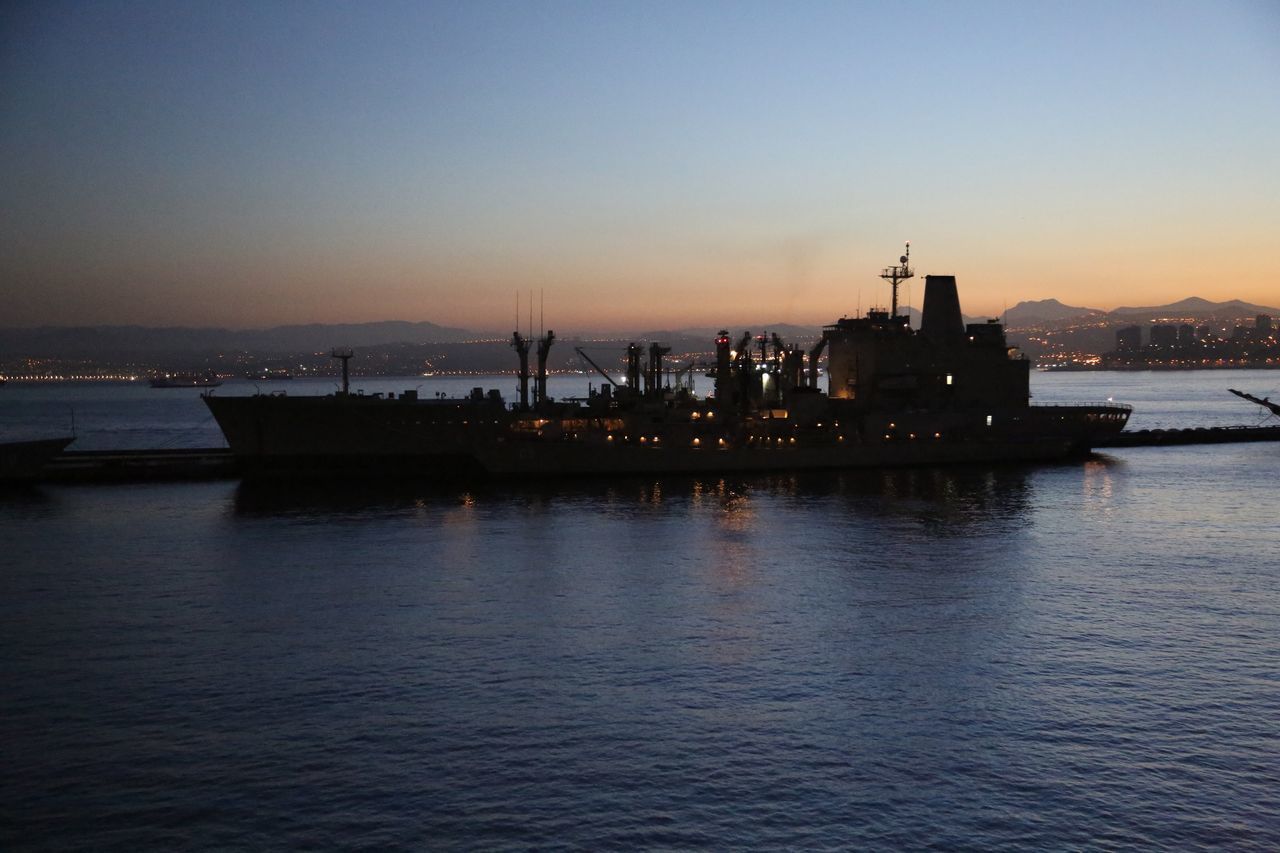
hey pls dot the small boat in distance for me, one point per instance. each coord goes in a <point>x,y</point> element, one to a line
<point>184,380</point>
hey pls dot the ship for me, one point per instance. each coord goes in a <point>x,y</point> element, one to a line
<point>946,393</point>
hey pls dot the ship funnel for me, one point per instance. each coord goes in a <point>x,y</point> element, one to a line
<point>941,320</point>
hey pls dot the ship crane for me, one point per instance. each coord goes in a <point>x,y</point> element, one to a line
<point>897,274</point>
<point>654,374</point>
<point>1265,402</point>
<point>814,355</point>
<point>683,376</point>
<point>521,345</point>
<point>581,352</point>
<point>344,353</point>
<point>540,381</point>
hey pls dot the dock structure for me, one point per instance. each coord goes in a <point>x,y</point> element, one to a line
<point>1189,435</point>
<point>126,466</point>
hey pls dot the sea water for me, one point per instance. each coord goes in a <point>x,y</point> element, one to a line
<point>1073,656</point>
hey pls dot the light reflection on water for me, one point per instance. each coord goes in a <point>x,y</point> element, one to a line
<point>1000,658</point>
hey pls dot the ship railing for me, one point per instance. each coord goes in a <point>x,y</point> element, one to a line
<point>1106,404</point>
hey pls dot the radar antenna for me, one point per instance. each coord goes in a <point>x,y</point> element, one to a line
<point>900,273</point>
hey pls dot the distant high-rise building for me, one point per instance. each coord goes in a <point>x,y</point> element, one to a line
<point>1164,335</point>
<point>1204,333</point>
<point>1186,336</point>
<point>1263,325</point>
<point>1129,339</point>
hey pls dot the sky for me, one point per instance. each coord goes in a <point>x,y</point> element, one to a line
<point>629,165</point>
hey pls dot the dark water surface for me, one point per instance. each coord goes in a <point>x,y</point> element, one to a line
<point>1080,656</point>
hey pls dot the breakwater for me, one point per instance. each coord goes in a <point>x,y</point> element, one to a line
<point>122,466</point>
<point>1189,435</point>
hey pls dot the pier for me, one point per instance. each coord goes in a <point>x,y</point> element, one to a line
<point>129,466</point>
<point>1189,435</point>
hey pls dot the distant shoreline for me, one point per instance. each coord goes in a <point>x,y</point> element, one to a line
<point>138,380</point>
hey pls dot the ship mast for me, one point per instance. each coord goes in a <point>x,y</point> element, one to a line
<point>521,345</point>
<point>345,354</point>
<point>897,274</point>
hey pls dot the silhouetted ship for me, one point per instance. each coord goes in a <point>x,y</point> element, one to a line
<point>24,461</point>
<point>946,393</point>
<point>184,380</point>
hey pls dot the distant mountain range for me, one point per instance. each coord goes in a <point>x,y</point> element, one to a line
<point>1050,311</point>
<point>1047,326</point>
<point>1195,305</point>
<point>143,341</point>
<point>1036,312</point>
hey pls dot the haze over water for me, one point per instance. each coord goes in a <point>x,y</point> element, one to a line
<point>1075,656</point>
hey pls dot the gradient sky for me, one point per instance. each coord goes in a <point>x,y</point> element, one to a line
<point>644,164</point>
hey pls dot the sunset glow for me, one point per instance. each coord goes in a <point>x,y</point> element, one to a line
<point>641,166</point>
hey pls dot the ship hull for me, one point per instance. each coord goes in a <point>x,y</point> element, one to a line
<point>870,440</point>
<point>514,460</point>
<point>277,435</point>
<point>24,461</point>
<point>345,437</point>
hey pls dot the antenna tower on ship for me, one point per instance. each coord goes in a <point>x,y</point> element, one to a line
<point>345,354</point>
<point>897,274</point>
